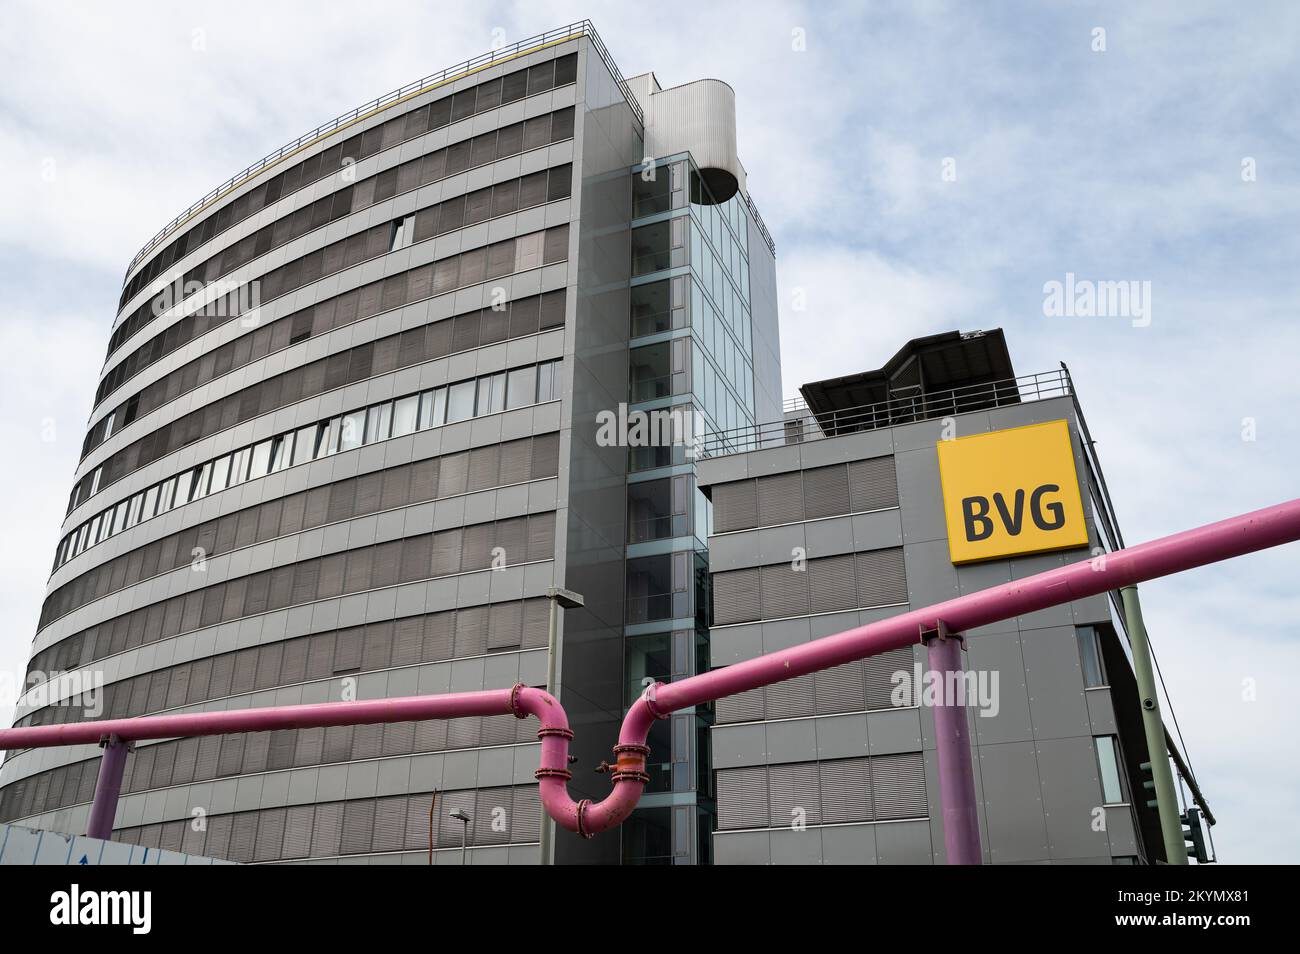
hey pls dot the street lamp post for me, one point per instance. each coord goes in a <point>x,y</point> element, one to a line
<point>462,816</point>
<point>566,599</point>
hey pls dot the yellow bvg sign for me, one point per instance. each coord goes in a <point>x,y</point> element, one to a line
<point>1011,492</point>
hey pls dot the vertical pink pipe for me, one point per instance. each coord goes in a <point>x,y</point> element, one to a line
<point>108,786</point>
<point>961,827</point>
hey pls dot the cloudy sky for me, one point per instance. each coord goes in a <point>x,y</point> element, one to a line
<point>922,166</point>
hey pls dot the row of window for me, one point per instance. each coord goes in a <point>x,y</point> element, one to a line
<point>517,194</point>
<point>475,397</point>
<point>805,495</point>
<point>496,544</point>
<point>370,299</point>
<point>408,641</point>
<point>401,486</point>
<point>498,816</point>
<point>386,294</point>
<point>852,687</point>
<point>801,588</point>
<point>468,268</point>
<point>497,144</point>
<point>401,128</point>
<point>834,792</point>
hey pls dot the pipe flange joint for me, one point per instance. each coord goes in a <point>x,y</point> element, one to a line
<point>581,812</point>
<point>648,697</point>
<point>632,748</point>
<point>555,730</point>
<point>629,775</point>
<point>514,701</point>
<point>560,773</point>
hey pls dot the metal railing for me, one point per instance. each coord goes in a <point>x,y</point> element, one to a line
<point>906,409</point>
<point>541,40</point>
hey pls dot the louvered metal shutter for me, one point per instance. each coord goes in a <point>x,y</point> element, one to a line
<point>511,537</point>
<point>283,743</point>
<point>309,746</point>
<point>398,739</point>
<point>417,820</point>
<point>293,667</point>
<point>384,570</point>
<point>297,831</point>
<point>491,814</point>
<point>205,766</point>
<point>369,488</point>
<point>541,536</point>
<point>882,579</point>
<point>358,826</point>
<point>833,583</point>
<point>780,499</point>
<point>408,641</point>
<point>439,636</point>
<point>525,814</point>
<point>348,646</point>
<point>231,760</point>
<point>742,798</point>
<point>471,631</point>
<point>826,491</point>
<point>505,626</point>
<point>742,707</point>
<point>898,786</point>
<point>516,462</point>
<point>326,829</point>
<point>186,755</point>
<point>453,472</point>
<point>390,824</point>
<point>792,788</point>
<point>839,689</point>
<point>546,455</point>
<point>784,591</point>
<point>791,698</point>
<point>431,736</point>
<point>463,733</point>
<point>367,741</point>
<point>243,835</point>
<point>846,790</point>
<point>446,552</point>
<point>880,672</point>
<point>338,744</point>
<point>417,558</point>
<point>735,596</point>
<point>257,746</point>
<point>484,463</point>
<point>735,506</point>
<point>424,480</point>
<point>497,730</point>
<point>217,844</point>
<point>192,841</point>
<point>873,484</point>
<point>449,829</point>
<point>536,623</point>
<point>270,834</point>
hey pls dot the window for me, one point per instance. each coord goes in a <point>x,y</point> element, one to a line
<point>460,401</point>
<point>491,394</point>
<point>433,408</point>
<point>521,387</point>
<point>378,421</point>
<point>261,461</point>
<point>220,474</point>
<point>1094,672</point>
<point>405,415</point>
<point>548,388</point>
<point>352,430</point>
<point>1108,762</point>
<point>304,444</point>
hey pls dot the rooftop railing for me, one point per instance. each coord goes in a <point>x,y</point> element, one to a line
<point>441,78</point>
<point>802,424</point>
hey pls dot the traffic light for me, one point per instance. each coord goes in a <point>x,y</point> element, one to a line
<point>1148,783</point>
<point>1194,835</point>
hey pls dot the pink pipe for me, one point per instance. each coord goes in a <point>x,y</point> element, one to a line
<point>1181,551</point>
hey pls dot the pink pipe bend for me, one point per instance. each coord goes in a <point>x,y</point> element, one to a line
<point>1181,551</point>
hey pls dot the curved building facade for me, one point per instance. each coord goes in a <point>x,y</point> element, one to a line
<point>342,445</point>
